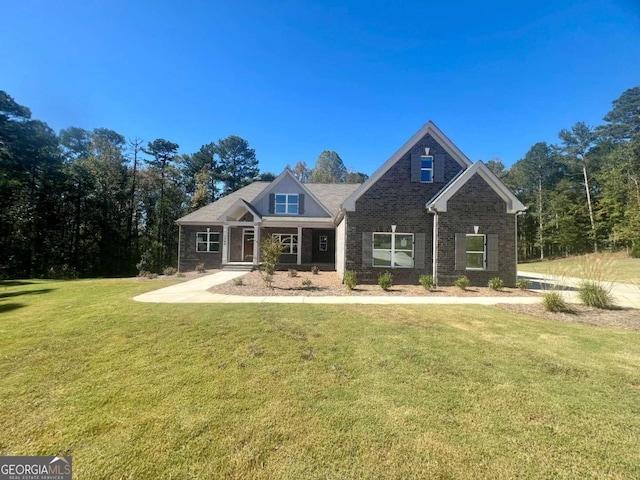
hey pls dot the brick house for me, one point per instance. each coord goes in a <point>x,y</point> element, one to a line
<point>427,210</point>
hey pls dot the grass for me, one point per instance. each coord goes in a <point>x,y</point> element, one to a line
<point>612,267</point>
<point>309,391</point>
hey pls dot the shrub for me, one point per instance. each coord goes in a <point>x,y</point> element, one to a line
<point>271,251</point>
<point>306,282</point>
<point>200,268</point>
<point>553,302</point>
<point>238,282</point>
<point>350,279</point>
<point>315,270</point>
<point>180,275</point>
<point>170,271</point>
<point>523,284</point>
<point>635,250</point>
<point>385,280</point>
<point>595,295</point>
<point>495,283</point>
<point>293,272</point>
<point>427,282</point>
<point>462,282</point>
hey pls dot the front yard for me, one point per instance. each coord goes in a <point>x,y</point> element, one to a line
<point>136,390</point>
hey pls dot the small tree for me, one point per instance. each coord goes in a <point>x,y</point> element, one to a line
<point>271,249</point>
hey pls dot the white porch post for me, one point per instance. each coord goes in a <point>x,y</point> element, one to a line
<point>225,244</point>
<point>256,244</point>
<point>299,260</point>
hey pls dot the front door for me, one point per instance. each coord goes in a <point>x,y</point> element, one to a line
<point>247,246</point>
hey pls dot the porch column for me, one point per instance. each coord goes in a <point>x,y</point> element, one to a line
<point>299,260</point>
<point>256,244</point>
<point>225,244</point>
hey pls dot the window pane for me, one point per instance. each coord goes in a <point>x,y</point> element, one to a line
<point>425,175</point>
<point>201,247</point>
<point>475,243</point>
<point>427,162</point>
<point>293,199</point>
<point>475,260</point>
<point>214,237</point>
<point>281,208</point>
<point>201,237</point>
<point>293,209</point>
<point>403,259</point>
<point>214,247</point>
<point>381,258</point>
<point>382,240</point>
<point>404,242</point>
<point>281,198</point>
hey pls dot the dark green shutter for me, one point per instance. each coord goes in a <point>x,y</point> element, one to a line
<point>272,202</point>
<point>493,252</point>
<point>438,168</point>
<point>419,254</point>
<point>461,251</point>
<point>367,249</point>
<point>415,167</point>
<point>301,204</point>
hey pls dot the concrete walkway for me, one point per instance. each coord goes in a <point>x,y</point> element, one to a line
<point>624,294</point>
<point>195,291</point>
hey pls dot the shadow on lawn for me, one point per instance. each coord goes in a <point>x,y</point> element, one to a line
<point>14,283</point>
<point>25,292</point>
<point>7,307</point>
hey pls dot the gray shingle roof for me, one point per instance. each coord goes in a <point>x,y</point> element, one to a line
<point>331,195</point>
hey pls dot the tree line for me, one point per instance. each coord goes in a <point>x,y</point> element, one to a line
<point>582,193</point>
<point>92,203</point>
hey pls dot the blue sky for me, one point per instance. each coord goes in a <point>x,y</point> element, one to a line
<point>295,77</point>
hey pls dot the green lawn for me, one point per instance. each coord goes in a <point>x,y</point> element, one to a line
<point>613,267</point>
<point>141,391</point>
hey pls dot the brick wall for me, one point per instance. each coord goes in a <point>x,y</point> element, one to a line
<point>395,200</point>
<point>189,258</point>
<point>476,204</point>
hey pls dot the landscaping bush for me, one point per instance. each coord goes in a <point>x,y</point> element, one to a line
<point>595,295</point>
<point>496,283</point>
<point>238,282</point>
<point>293,272</point>
<point>170,271</point>
<point>306,282</point>
<point>554,302</point>
<point>427,282</point>
<point>523,284</point>
<point>180,275</point>
<point>462,282</point>
<point>350,279</point>
<point>635,250</point>
<point>315,270</point>
<point>200,268</point>
<point>271,251</point>
<point>385,280</point>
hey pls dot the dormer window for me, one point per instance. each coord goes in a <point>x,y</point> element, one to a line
<point>426,169</point>
<point>286,203</point>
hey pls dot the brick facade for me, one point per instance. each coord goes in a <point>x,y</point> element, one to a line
<point>189,258</point>
<point>476,204</point>
<point>395,200</point>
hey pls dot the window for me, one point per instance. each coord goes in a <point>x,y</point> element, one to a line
<point>286,203</point>
<point>476,252</point>
<point>289,242</point>
<point>208,242</point>
<point>393,250</point>
<point>426,169</point>
<point>324,243</point>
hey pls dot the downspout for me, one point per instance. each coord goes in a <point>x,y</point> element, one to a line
<point>179,240</point>
<point>435,244</point>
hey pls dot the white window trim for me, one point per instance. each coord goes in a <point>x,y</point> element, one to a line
<point>392,251</point>
<point>484,251</point>
<point>208,242</point>
<point>286,204</point>
<point>422,169</point>
<point>293,243</point>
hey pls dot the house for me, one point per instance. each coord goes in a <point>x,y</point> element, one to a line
<point>427,210</point>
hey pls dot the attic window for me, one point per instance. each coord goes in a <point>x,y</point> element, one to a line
<point>426,169</point>
<point>286,203</point>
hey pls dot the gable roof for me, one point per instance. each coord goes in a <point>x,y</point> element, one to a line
<point>427,128</point>
<point>439,202</point>
<point>242,203</point>
<point>288,174</point>
<point>213,211</point>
